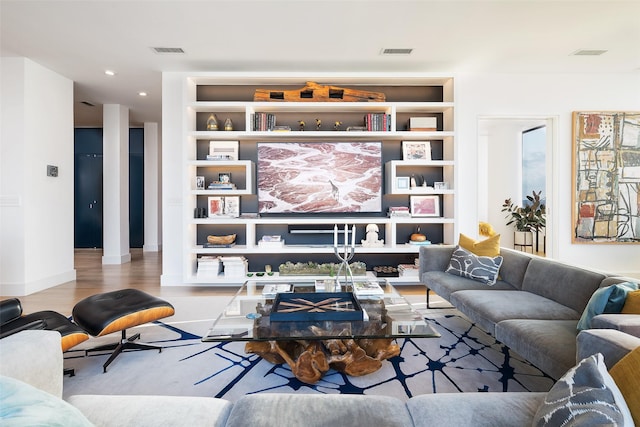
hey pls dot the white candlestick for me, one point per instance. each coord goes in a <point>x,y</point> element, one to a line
<point>335,236</point>
<point>353,236</point>
<point>346,237</point>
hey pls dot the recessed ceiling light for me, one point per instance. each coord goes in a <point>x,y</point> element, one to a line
<point>110,72</point>
<point>589,52</point>
<point>142,93</point>
<point>396,51</point>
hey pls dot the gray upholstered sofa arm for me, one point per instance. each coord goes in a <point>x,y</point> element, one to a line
<point>613,344</point>
<point>34,357</point>
<point>629,323</point>
<point>435,258</point>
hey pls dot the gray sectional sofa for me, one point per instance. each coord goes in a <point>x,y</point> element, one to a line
<point>31,390</point>
<point>534,306</point>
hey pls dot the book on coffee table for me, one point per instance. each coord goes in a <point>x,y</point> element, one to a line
<point>367,288</point>
<point>272,289</point>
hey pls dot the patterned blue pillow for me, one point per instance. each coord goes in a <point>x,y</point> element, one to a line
<point>481,268</point>
<point>585,396</point>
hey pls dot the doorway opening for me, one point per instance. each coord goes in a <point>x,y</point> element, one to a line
<point>515,156</point>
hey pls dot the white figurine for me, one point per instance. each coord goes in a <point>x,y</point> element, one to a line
<point>372,240</point>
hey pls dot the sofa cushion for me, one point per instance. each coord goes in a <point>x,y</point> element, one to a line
<point>25,405</point>
<point>550,345</point>
<point>626,375</point>
<point>315,410</point>
<point>463,409</point>
<point>568,285</point>
<point>151,411</point>
<point>487,247</point>
<point>484,269</point>
<point>605,300</point>
<point>585,396</point>
<point>629,323</point>
<point>488,308</point>
<point>514,266</point>
<point>444,284</point>
<point>632,303</point>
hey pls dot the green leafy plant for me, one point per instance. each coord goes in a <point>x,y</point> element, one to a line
<point>531,217</point>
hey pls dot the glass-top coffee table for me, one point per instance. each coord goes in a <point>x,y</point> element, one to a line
<point>313,331</point>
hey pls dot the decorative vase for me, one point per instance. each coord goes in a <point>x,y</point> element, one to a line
<point>212,122</point>
<point>228,125</point>
<point>523,238</point>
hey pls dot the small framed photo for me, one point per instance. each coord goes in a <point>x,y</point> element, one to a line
<point>425,205</point>
<point>215,206</point>
<point>224,177</point>
<point>439,185</point>
<point>199,182</point>
<point>402,182</point>
<point>416,150</point>
<point>232,206</point>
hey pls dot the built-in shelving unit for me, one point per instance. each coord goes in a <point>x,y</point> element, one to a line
<point>406,97</point>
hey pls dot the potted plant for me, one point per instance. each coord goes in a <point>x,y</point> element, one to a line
<point>526,219</point>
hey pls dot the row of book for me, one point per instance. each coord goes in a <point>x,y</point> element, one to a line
<point>263,121</point>
<point>377,122</point>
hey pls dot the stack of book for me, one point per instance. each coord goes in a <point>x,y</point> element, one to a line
<point>271,242</point>
<point>208,267</point>
<point>234,266</point>
<point>263,121</point>
<point>377,122</point>
<point>367,288</point>
<point>408,270</point>
<point>401,211</point>
<point>217,185</point>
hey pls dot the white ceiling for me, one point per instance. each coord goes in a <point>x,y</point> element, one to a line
<point>80,39</point>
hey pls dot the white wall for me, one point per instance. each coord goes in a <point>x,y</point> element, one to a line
<point>550,95</point>
<point>36,211</point>
<point>172,179</point>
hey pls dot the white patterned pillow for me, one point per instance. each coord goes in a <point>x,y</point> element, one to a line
<point>481,268</point>
<point>585,396</point>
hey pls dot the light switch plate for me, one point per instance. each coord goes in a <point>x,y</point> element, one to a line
<point>52,170</point>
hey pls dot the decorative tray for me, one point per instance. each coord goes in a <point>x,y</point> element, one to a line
<point>315,306</point>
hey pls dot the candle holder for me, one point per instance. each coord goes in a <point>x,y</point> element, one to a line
<point>345,256</point>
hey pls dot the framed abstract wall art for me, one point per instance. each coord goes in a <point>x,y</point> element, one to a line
<point>606,177</point>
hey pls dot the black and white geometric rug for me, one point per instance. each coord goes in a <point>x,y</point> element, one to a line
<point>464,359</point>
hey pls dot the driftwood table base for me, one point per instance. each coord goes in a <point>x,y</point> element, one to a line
<point>310,360</point>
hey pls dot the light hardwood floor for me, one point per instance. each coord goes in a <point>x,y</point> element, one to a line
<point>143,272</point>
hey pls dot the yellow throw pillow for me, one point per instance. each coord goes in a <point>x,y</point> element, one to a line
<point>632,303</point>
<point>488,247</point>
<point>625,375</point>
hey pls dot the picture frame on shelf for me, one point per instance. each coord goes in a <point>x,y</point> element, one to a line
<point>215,206</point>
<point>199,182</point>
<point>441,185</point>
<point>416,150</point>
<point>402,182</point>
<point>224,177</point>
<point>232,206</point>
<point>425,205</point>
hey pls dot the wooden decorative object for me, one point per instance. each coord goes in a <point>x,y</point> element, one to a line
<point>313,92</point>
<point>309,360</point>
<point>221,240</point>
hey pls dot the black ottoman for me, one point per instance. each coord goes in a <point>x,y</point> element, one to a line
<point>115,311</point>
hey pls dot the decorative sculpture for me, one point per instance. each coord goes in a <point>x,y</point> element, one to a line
<point>372,240</point>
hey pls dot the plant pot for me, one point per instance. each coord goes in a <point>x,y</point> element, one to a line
<point>523,238</point>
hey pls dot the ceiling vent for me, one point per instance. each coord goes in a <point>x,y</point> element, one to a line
<point>168,50</point>
<point>396,51</point>
<point>588,52</point>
